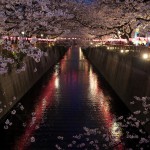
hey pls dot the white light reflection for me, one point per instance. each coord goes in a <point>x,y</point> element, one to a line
<point>57,82</point>
<point>116,132</point>
<point>56,76</point>
<point>93,82</point>
<point>81,56</point>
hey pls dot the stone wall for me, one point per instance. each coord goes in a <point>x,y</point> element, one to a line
<point>13,86</point>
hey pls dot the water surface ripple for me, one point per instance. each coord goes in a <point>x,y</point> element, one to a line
<point>70,108</point>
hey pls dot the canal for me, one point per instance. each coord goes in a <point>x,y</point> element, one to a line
<point>71,107</point>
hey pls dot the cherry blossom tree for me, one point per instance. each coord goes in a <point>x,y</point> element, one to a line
<point>119,17</point>
<point>93,18</point>
<point>54,18</point>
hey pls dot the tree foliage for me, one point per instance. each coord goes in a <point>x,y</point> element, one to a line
<point>92,18</point>
<point>101,17</point>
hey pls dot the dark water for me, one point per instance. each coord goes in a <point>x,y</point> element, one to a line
<point>70,108</point>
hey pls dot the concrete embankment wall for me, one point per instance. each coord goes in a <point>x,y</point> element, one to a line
<point>129,76</point>
<point>13,86</point>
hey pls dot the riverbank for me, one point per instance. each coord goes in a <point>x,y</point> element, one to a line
<point>128,76</point>
<point>13,85</point>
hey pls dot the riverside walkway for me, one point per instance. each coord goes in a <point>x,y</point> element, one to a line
<point>71,107</point>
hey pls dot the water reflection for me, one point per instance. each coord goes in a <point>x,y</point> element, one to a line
<point>116,132</point>
<point>81,56</point>
<point>56,74</point>
<point>44,101</point>
<point>57,83</point>
<point>72,109</point>
<point>102,101</point>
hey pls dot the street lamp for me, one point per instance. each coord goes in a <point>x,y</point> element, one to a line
<point>145,56</point>
<point>23,33</point>
<point>42,35</point>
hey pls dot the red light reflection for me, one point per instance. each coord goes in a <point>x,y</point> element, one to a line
<point>44,102</point>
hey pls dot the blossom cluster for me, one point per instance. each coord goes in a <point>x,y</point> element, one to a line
<point>4,64</point>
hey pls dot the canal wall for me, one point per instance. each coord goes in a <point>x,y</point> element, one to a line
<point>129,77</point>
<point>13,86</point>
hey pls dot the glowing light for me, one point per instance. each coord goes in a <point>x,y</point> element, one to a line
<point>126,51</point>
<point>137,30</point>
<point>93,82</point>
<point>22,32</point>
<point>145,56</point>
<point>57,82</point>
<point>81,56</point>
<point>121,51</point>
<point>49,45</point>
<point>116,132</point>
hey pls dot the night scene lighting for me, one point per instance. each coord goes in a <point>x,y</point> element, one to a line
<point>75,74</point>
